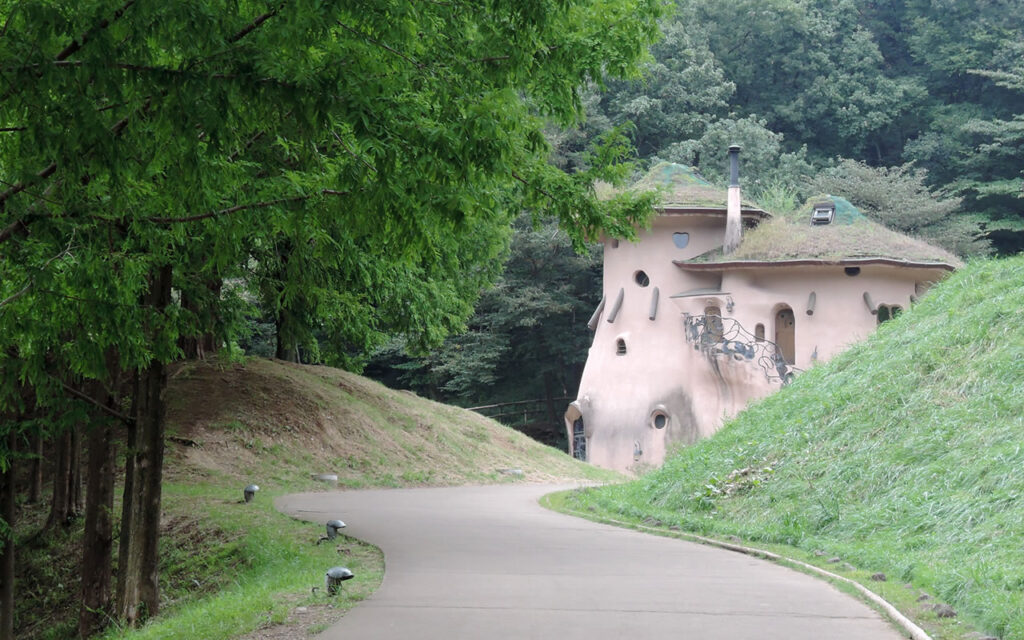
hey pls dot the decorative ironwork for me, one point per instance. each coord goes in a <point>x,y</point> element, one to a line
<point>715,335</point>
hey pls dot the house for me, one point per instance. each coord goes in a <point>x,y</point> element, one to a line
<point>719,303</point>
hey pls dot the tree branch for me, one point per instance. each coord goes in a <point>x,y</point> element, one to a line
<point>128,420</point>
<point>252,26</point>
<point>547,194</point>
<point>18,188</point>
<point>242,207</point>
<point>103,24</point>
<point>380,44</point>
<point>32,279</point>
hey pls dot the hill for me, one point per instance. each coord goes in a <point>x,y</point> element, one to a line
<point>904,455</point>
<point>236,570</point>
<point>296,420</point>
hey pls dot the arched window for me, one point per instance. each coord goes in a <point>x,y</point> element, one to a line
<point>713,329</point>
<point>620,347</point>
<point>759,332</point>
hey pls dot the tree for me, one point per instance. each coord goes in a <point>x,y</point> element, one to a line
<point>898,198</point>
<point>525,339</point>
<point>149,150</point>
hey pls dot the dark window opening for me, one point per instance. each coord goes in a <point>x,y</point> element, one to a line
<point>660,420</point>
<point>620,347</point>
<point>579,440</point>
<point>759,332</point>
<point>641,278</point>
<point>852,271</point>
<point>888,312</point>
<point>615,243</point>
<point>681,239</point>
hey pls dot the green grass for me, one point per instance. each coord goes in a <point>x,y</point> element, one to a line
<point>904,455</point>
<point>251,566</point>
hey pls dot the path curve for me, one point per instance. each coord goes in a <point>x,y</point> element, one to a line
<point>490,562</point>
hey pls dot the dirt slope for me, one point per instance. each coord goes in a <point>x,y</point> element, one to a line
<point>234,419</point>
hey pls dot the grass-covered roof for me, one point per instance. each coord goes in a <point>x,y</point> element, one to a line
<point>680,187</point>
<point>850,236</point>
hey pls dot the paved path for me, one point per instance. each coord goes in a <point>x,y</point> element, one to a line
<point>490,563</point>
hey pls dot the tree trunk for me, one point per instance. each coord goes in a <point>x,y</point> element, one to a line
<point>35,487</point>
<point>98,541</point>
<point>75,491</point>
<point>286,350</point>
<point>7,555</point>
<point>139,592</point>
<point>197,347</point>
<point>62,510</point>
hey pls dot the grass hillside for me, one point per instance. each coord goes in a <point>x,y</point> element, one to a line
<point>904,455</point>
<point>236,570</point>
<point>267,420</point>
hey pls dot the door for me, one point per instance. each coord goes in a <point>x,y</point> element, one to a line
<point>785,334</point>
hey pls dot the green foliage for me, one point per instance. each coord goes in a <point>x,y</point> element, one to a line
<point>900,455</point>
<point>800,82</point>
<point>355,165</point>
<point>898,198</point>
<point>526,338</point>
<point>763,160</point>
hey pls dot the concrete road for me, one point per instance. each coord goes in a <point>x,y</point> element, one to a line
<point>489,563</point>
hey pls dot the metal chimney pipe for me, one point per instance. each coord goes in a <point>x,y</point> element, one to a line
<point>734,165</point>
<point>733,218</point>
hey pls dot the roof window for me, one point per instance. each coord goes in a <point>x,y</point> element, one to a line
<point>823,213</point>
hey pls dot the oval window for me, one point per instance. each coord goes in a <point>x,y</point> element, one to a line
<point>852,271</point>
<point>659,420</point>
<point>681,239</point>
<point>641,278</point>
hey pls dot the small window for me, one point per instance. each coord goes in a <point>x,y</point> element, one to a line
<point>641,278</point>
<point>620,347</point>
<point>615,243</point>
<point>888,312</point>
<point>852,271</point>
<point>759,332</point>
<point>659,420</point>
<point>823,213</point>
<point>681,239</point>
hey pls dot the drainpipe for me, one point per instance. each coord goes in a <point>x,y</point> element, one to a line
<point>733,222</point>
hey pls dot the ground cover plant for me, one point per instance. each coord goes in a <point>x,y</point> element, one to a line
<point>901,456</point>
<point>236,570</point>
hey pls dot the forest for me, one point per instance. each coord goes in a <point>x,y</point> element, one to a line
<point>912,110</point>
<point>408,188</point>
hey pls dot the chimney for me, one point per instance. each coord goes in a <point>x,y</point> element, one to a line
<point>733,221</point>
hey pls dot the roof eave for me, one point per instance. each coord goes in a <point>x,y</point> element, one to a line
<point>801,262</point>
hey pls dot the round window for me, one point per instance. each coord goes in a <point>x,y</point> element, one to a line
<point>641,278</point>
<point>659,420</point>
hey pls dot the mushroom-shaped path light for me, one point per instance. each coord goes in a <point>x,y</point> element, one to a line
<point>334,577</point>
<point>332,528</point>
<point>250,491</point>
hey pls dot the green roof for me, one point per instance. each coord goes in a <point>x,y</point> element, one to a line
<point>851,235</point>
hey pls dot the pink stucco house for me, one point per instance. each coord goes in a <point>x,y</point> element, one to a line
<point>719,303</point>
